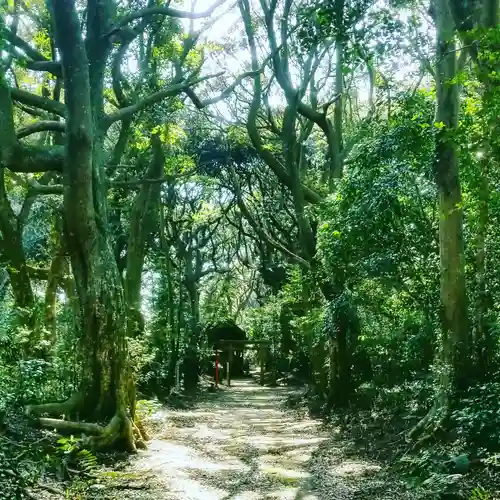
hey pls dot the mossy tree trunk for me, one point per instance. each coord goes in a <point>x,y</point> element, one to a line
<point>13,251</point>
<point>56,274</point>
<point>191,282</point>
<point>483,341</point>
<point>343,330</point>
<point>104,389</point>
<point>485,20</point>
<point>144,220</point>
<point>11,228</point>
<point>103,395</point>
<point>454,349</point>
<point>455,325</point>
<point>106,393</point>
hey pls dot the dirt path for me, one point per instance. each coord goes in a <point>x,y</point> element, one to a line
<point>240,444</point>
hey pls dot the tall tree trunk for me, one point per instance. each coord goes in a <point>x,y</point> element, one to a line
<point>483,341</point>
<point>105,387</point>
<point>338,113</point>
<point>342,334</point>
<point>455,327</point>
<point>14,256</point>
<point>58,268</point>
<point>13,251</point>
<point>144,218</point>
<point>482,335</point>
<point>289,138</point>
<point>454,352</point>
<point>191,360</point>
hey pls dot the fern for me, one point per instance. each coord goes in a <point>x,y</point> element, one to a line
<point>86,460</point>
<point>480,494</point>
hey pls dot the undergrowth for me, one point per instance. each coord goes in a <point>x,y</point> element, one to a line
<point>462,464</point>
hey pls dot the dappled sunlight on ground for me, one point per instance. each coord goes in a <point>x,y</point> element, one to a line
<point>239,444</point>
<point>351,468</point>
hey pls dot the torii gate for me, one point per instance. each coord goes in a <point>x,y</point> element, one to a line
<point>232,345</point>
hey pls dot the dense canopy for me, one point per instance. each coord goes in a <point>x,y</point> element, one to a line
<point>319,174</point>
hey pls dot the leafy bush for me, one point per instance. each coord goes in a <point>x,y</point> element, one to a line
<point>478,417</point>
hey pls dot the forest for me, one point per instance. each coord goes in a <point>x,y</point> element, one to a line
<point>319,176</point>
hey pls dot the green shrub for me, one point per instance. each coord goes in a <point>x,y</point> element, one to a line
<point>478,417</point>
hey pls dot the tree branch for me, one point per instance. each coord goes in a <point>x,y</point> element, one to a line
<point>51,66</point>
<point>137,182</point>
<point>165,11</point>
<point>263,234</point>
<point>18,157</point>
<point>41,126</point>
<point>36,189</point>
<point>31,111</point>
<point>30,199</point>
<point>37,101</point>
<point>16,41</point>
<point>33,159</point>
<point>225,93</point>
<point>172,90</point>
<point>276,166</point>
<point>38,61</point>
<point>211,270</point>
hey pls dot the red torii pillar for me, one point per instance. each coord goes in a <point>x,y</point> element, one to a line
<point>217,367</point>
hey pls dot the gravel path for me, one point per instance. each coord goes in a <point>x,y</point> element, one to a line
<point>240,444</point>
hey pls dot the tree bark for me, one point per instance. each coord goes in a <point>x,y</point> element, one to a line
<point>454,351</point>
<point>487,20</point>
<point>336,167</point>
<point>104,392</point>
<point>144,218</point>
<point>58,268</point>
<point>191,360</point>
<point>455,327</point>
<point>343,334</point>
<point>482,335</point>
<point>9,225</point>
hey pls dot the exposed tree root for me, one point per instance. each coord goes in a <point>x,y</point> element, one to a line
<point>118,428</point>
<point>142,431</point>
<point>140,439</point>
<point>121,429</point>
<point>68,407</point>
<point>69,426</point>
<point>431,424</point>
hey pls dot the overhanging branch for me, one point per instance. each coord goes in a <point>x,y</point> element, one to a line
<point>41,126</point>
<point>33,159</point>
<point>37,101</point>
<point>270,159</point>
<point>170,91</point>
<point>136,182</point>
<point>225,93</point>
<point>165,11</point>
<point>51,66</point>
<point>18,42</point>
<point>18,157</point>
<point>36,188</point>
<point>37,61</point>
<point>261,232</point>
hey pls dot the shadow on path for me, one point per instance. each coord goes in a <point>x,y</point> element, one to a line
<point>239,444</point>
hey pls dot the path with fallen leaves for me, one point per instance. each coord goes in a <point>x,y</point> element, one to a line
<point>240,444</point>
